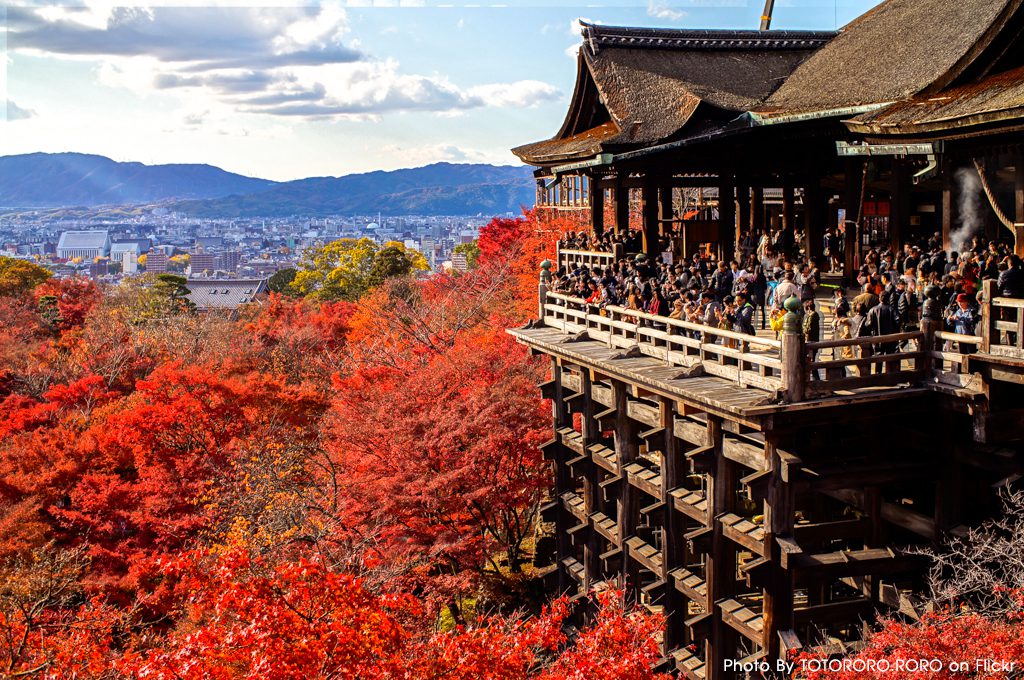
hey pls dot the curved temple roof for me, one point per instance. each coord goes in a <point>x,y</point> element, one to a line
<point>641,86</point>
<point>892,52</point>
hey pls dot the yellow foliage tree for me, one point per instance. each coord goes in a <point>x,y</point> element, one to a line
<point>347,268</point>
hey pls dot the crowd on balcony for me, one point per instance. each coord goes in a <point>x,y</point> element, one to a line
<point>750,290</point>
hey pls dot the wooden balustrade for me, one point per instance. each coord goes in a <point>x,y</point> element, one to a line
<point>923,356</point>
<point>1002,324</point>
<point>592,259</point>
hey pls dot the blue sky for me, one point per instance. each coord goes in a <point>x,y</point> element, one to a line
<point>299,90</point>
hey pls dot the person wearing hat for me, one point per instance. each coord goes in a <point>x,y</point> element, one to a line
<point>964,318</point>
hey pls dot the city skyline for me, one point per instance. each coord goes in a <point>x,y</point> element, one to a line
<point>316,90</point>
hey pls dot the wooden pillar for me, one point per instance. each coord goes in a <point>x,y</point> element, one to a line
<point>788,219</point>
<point>815,218</point>
<point>665,210</point>
<point>947,204</point>
<point>854,188</point>
<point>597,206</point>
<point>778,522</point>
<point>673,544</point>
<point>757,209</point>
<point>794,355</point>
<point>591,490</point>
<point>726,217</point>
<point>743,223</point>
<point>563,480</point>
<point>649,211</point>
<point>720,563</point>
<point>621,207</point>
<point>899,208</point>
<point>627,449</point>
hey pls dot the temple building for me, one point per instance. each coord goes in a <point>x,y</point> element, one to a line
<point>761,492</point>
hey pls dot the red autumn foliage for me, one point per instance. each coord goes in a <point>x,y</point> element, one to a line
<point>942,638</point>
<point>441,459</point>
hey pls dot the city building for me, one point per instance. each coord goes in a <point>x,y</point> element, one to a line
<point>83,245</point>
<point>225,294</point>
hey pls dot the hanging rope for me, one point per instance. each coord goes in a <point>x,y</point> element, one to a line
<point>991,199</point>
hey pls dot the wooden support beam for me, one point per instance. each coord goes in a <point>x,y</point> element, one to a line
<point>720,561</point>
<point>626,449</point>
<point>779,514</point>
<point>563,476</point>
<point>899,209</point>
<point>591,434</point>
<point>673,547</point>
<point>788,214</point>
<point>1018,203</point>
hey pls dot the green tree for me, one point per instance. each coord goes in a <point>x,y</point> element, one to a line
<point>280,281</point>
<point>18,277</point>
<point>347,268</point>
<point>470,250</point>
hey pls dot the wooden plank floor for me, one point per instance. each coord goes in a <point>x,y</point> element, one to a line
<point>710,392</point>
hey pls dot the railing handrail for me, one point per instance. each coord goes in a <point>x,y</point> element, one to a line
<point>958,337</point>
<point>1017,303</point>
<point>589,253</point>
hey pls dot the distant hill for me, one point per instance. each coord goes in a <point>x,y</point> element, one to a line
<point>62,180</point>
<point>75,179</point>
<point>438,189</point>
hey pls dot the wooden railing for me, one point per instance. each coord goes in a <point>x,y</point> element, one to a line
<point>873,361</point>
<point>790,368</point>
<point>1002,328</point>
<point>592,259</point>
<point>745,359</point>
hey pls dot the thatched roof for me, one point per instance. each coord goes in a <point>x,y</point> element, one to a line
<point>641,86</point>
<point>893,52</point>
<point>993,99</point>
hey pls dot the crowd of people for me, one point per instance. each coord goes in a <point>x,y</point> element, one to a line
<point>749,291</point>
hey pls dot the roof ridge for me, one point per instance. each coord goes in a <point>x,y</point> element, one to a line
<point>597,36</point>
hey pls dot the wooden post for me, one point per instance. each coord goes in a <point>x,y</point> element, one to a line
<point>743,220</point>
<point>665,210</point>
<point>815,209</point>
<point>757,209</point>
<point>988,328</point>
<point>563,480</point>
<point>947,204</point>
<point>597,206</point>
<point>673,545</point>
<point>621,208</point>
<point>720,563</point>
<point>726,217</point>
<point>928,330</point>
<point>778,522</point>
<point>542,287</point>
<point>854,188</point>
<point>627,450</point>
<point>794,353</point>
<point>788,219</point>
<point>591,433</point>
<point>899,212</point>
<point>649,211</point>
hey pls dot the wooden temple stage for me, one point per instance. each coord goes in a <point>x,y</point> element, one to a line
<point>706,474</point>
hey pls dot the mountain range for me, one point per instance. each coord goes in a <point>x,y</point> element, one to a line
<point>73,180</point>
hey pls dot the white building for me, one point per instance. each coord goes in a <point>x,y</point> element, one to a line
<point>85,245</point>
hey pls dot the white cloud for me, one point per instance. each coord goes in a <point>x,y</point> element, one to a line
<point>286,61</point>
<point>661,10</point>
<point>14,112</point>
